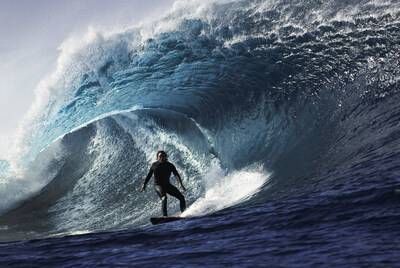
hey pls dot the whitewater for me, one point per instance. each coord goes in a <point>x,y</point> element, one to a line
<point>282,118</point>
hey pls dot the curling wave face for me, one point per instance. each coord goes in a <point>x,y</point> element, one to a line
<point>251,99</point>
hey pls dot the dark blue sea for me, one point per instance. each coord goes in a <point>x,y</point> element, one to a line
<point>282,118</point>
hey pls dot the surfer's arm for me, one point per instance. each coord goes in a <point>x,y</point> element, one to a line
<point>178,178</point>
<point>147,179</point>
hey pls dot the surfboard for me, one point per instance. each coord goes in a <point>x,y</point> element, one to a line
<point>155,221</point>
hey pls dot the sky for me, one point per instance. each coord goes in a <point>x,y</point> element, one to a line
<point>31,31</point>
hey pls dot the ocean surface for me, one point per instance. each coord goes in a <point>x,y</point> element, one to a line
<point>282,118</point>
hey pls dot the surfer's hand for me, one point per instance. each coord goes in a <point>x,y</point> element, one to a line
<point>182,187</point>
<point>143,188</point>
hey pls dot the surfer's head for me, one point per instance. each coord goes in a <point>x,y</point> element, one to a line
<point>162,156</point>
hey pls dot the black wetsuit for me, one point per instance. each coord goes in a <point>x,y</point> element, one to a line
<point>162,172</point>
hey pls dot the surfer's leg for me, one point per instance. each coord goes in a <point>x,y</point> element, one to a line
<point>172,190</point>
<point>161,193</point>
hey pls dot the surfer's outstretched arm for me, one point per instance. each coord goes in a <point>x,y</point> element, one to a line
<point>147,179</point>
<point>178,178</point>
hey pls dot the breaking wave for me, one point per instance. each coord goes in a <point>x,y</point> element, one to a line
<point>251,99</point>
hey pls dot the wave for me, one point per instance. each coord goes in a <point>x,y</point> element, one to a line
<point>251,99</point>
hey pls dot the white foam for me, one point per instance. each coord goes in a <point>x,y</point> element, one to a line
<point>224,190</point>
<point>15,187</point>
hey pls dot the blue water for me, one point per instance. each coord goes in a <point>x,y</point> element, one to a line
<point>281,117</point>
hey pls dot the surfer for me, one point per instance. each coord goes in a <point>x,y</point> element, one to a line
<point>162,170</point>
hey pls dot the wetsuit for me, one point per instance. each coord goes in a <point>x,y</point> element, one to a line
<point>162,172</point>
